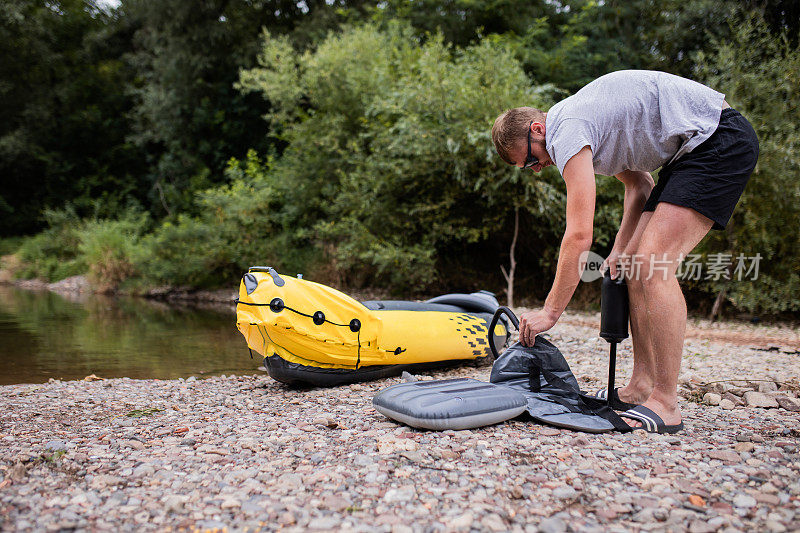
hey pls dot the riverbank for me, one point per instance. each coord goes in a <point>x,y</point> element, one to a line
<point>77,285</point>
<point>246,453</point>
<point>81,285</point>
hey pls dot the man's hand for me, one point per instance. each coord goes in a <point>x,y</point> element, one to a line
<point>612,263</point>
<point>534,322</point>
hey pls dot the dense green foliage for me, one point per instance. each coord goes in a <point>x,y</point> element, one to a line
<point>63,122</point>
<point>177,143</point>
<point>134,106</point>
<point>109,248</point>
<point>761,76</point>
<point>388,164</point>
<point>229,233</point>
<point>53,254</point>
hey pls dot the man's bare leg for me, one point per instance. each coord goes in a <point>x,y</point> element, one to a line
<point>672,232</point>
<point>641,383</point>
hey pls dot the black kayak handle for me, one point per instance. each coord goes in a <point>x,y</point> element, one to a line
<point>502,310</point>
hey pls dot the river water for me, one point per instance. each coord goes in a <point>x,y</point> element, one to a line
<point>45,335</point>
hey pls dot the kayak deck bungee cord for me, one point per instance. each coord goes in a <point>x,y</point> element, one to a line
<point>312,334</point>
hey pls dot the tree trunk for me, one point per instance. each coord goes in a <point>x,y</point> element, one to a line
<point>720,299</point>
<point>509,275</point>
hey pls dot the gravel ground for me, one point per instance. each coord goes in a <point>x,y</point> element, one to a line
<point>244,453</point>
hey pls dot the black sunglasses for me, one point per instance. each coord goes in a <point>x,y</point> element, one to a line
<point>531,159</point>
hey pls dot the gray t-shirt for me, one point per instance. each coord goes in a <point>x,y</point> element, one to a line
<point>632,120</point>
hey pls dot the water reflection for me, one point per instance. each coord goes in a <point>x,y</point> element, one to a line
<point>45,335</point>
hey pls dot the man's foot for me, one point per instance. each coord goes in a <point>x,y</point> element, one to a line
<point>634,395</point>
<point>656,417</point>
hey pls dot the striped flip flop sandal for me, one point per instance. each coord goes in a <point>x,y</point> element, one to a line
<point>651,422</point>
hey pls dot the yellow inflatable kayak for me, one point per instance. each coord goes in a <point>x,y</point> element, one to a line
<point>312,334</point>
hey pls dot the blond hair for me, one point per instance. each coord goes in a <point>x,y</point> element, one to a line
<point>512,127</point>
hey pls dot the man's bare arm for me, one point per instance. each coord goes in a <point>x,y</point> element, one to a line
<point>579,177</point>
<point>638,186</point>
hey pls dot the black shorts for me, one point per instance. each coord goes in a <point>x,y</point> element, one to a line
<point>711,178</point>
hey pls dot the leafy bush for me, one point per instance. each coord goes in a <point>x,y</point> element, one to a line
<point>9,245</point>
<point>53,255</point>
<point>231,233</point>
<point>109,248</point>
<point>382,171</point>
<point>179,253</point>
<point>389,168</point>
<point>103,248</point>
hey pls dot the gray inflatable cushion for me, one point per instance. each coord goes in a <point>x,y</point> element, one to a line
<point>449,404</point>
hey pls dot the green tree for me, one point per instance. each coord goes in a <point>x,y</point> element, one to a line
<point>389,167</point>
<point>62,118</point>
<point>600,37</point>
<point>760,75</point>
<point>188,117</point>
<point>463,22</point>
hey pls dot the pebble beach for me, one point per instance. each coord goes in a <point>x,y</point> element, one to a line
<point>245,453</point>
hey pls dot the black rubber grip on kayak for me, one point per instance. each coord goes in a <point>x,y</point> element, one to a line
<point>502,310</point>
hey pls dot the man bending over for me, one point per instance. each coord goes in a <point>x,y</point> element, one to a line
<point>627,124</point>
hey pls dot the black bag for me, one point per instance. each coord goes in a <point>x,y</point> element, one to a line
<point>542,374</point>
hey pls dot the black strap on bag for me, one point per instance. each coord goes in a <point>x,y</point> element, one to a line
<point>585,404</point>
<point>535,378</point>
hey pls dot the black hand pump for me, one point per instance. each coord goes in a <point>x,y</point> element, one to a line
<point>614,310</point>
